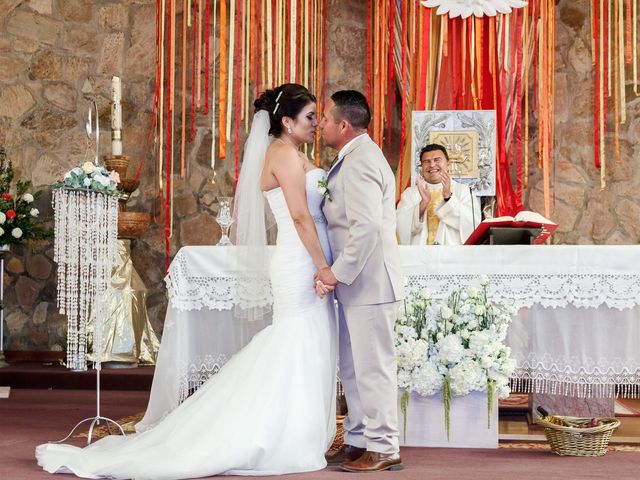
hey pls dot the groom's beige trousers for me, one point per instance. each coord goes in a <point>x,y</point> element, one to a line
<point>368,375</point>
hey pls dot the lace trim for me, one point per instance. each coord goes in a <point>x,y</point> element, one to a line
<point>620,291</point>
<point>196,372</point>
<point>189,292</point>
<point>575,377</point>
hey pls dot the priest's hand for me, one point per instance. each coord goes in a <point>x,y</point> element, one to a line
<point>446,184</point>
<point>425,194</point>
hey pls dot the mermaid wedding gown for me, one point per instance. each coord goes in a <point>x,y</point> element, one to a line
<point>270,410</point>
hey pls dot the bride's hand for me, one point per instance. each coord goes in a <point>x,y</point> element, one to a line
<point>322,289</point>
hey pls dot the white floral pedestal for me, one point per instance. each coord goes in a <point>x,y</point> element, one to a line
<point>468,414</point>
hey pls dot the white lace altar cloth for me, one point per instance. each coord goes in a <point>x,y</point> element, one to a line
<point>576,333</point>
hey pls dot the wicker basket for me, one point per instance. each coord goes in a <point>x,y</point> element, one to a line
<point>576,440</point>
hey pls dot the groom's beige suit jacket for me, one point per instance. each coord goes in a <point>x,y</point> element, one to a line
<point>361,217</point>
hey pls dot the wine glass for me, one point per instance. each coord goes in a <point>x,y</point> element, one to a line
<point>225,219</point>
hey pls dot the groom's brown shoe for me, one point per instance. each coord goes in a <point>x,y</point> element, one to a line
<point>346,453</point>
<point>374,462</point>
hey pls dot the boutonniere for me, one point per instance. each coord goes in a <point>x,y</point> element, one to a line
<point>323,188</point>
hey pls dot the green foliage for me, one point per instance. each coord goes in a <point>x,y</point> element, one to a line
<point>20,220</point>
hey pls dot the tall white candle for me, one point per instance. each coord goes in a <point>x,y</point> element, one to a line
<point>116,116</point>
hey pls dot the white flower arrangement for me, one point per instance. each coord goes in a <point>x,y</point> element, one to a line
<point>91,177</point>
<point>454,347</point>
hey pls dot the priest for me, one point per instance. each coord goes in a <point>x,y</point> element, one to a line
<point>437,210</point>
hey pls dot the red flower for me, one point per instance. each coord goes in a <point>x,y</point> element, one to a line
<point>6,196</point>
<point>10,213</point>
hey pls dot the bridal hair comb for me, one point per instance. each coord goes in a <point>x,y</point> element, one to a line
<point>277,104</point>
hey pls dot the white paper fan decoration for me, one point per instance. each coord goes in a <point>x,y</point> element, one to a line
<point>478,8</point>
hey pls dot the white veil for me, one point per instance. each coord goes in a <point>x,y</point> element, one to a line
<point>251,213</point>
<point>252,219</point>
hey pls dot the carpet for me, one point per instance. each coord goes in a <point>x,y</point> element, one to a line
<point>128,424</point>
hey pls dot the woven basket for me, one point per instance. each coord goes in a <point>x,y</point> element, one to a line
<point>576,441</point>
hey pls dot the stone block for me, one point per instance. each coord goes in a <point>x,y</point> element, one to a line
<point>15,101</point>
<point>185,205</point>
<point>46,66</point>
<point>11,69</point>
<point>16,321</point>
<point>76,10</point>
<point>628,213</point>
<point>33,26</point>
<point>45,7</point>
<point>27,291</point>
<point>62,96</point>
<point>14,265</point>
<point>24,45</point>
<point>76,67</point>
<point>81,39</point>
<point>202,229</point>
<point>40,313</point>
<point>45,119</point>
<point>7,6</point>
<point>113,17</point>
<point>38,266</point>
<point>141,58</point>
<point>111,55</point>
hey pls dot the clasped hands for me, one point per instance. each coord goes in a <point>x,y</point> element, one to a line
<point>324,281</point>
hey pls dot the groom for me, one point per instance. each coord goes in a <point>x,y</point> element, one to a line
<point>366,274</point>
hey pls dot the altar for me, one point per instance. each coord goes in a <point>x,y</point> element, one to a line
<point>575,334</point>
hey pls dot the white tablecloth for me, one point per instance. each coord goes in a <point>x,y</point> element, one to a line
<point>577,331</point>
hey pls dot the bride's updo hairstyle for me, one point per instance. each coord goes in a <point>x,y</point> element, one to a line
<point>287,100</point>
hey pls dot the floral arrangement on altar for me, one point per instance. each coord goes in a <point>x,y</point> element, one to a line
<point>19,218</point>
<point>91,177</point>
<point>454,347</point>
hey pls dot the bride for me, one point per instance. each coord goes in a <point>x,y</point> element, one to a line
<point>271,409</point>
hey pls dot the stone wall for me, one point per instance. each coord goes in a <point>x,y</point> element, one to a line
<point>49,47</point>
<point>586,214</point>
<point>47,50</point>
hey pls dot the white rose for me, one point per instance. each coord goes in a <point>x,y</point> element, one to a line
<point>3,218</point>
<point>87,182</point>
<point>406,281</point>
<point>16,232</point>
<point>473,292</point>
<point>27,197</point>
<point>34,212</point>
<point>88,167</point>
<point>77,171</point>
<point>321,190</point>
<point>447,313</point>
<point>479,310</point>
<point>484,280</point>
<point>1,232</point>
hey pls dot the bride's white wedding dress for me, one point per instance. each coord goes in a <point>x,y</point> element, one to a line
<point>270,410</point>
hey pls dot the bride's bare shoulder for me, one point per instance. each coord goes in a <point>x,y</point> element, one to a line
<point>281,156</point>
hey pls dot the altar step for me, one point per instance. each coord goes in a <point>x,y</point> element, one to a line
<point>52,375</point>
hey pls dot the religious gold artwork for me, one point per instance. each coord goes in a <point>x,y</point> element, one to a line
<point>462,147</point>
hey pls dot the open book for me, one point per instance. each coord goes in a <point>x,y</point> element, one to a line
<point>524,219</point>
